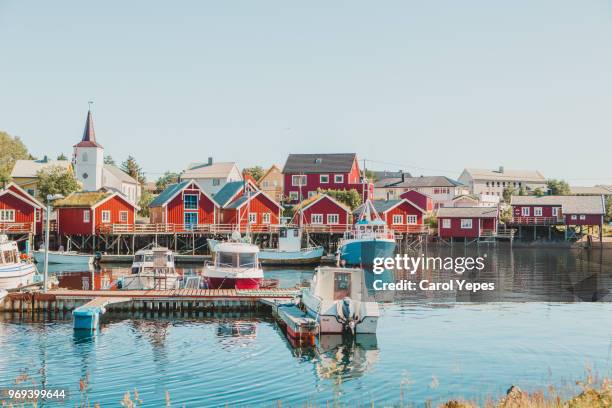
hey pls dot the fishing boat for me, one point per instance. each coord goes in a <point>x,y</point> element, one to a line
<point>338,299</point>
<point>235,265</point>
<point>152,269</point>
<point>369,239</point>
<point>64,257</point>
<point>290,251</point>
<point>14,272</point>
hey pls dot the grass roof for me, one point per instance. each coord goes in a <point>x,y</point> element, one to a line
<point>81,199</point>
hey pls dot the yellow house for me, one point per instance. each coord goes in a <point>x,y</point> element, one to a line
<point>24,172</point>
<point>271,183</point>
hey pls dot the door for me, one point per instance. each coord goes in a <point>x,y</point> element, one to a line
<point>342,285</point>
<point>191,220</point>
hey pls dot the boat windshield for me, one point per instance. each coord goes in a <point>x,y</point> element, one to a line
<point>148,258</point>
<point>138,258</point>
<point>234,260</point>
<point>9,256</point>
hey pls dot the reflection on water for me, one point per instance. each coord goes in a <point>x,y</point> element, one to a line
<point>431,345</point>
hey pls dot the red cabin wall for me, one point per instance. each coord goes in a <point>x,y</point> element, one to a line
<point>517,210</point>
<point>455,231</point>
<point>70,221</point>
<point>403,209</point>
<point>24,212</point>
<point>326,206</point>
<point>176,209</point>
<point>420,199</point>
<point>590,219</point>
<point>259,205</point>
<point>115,205</point>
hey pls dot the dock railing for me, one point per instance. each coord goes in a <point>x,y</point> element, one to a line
<point>536,220</point>
<point>16,227</point>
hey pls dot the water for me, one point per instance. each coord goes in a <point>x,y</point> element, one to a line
<point>539,331</point>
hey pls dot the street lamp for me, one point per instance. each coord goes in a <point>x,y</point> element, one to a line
<point>47,227</point>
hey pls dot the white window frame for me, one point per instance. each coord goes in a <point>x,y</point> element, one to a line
<point>537,211</point>
<point>294,196</point>
<point>574,217</point>
<point>466,223</point>
<point>324,178</point>
<point>446,223</point>
<point>316,219</point>
<point>252,218</point>
<point>525,211</point>
<point>312,194</point>
<point>216,182</point>
<point>582,217</point>
<point>338,178</point>
<point>87,216</point>
<point>106,216</point>
<point>36,215</point>
<point>411,219</point>
<point>7,215</point>
<point>333,219</point>
<point>265,184</point>
<point>124,216</point>
<point>398,219</point>
<point>555,211</point>
<point>295,180</point>
<point>265,218</point>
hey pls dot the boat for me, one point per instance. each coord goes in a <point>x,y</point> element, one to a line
<point>290,251</point>
<point>14,271</point>
<point>338,299</point>
<point>369,239</point>
<point>299,327</point>
<point>63,257</point>
<point>152,269</point>
<point>3,294</point>
<point>235,265</point>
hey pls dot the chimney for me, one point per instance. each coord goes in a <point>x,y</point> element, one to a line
<point>403,175</point>
<point>501,169</point>
<point>210,161</point>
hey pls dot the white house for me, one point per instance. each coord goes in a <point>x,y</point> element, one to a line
<point>25,172</point>
<point>211,176</point>
<point>483,181</point>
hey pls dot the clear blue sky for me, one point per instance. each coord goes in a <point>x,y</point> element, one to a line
<point>435,85</point>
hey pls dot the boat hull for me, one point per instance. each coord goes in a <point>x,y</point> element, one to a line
<point>233,283</point>
<point>64,258</point>
<point>363,252</point>
<point>14,276</point>
<point>300,257</point>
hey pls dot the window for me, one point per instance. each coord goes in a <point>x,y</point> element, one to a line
<point>106,216</point>
<point>252,218</point>
<point>446,223</point>
<point>123,216</point>
<point>398,219</point>
<point>265,184</point>
<point>297,181</point>
<point>316,218</point>
<point>555,211</point>
<point>190,220</point>
<point>339,178</point>
<point>583,217</point>
<point>84,156</point>
<point>466,223</point>
<point>216,182</point>
<point>37,215</point>
<point>537,211</point>
<point>7,215</point>
<point>574,216</point>
<point>265,218</point>
<point>312,194</point>
<point>190,202</point>
<point>333,218</point>
<point>293,195</point>
<point>525,211</point>
<point>324,178</point>
<point>86,216</point>
<point>411,219</point>
<point>31,192</point>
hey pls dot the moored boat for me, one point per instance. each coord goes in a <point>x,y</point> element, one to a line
<point>152,269</point>
<point>3,294</point>
<point>290,251</point>
<point>14,272</point>
<point>338,299</point>
<point>64,257</point>
<point>235,265</point>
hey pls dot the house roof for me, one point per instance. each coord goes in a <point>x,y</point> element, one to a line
<point>24,194</point>
<point>415,182</point>
<point>82,199</point>
<point>319,163</point>
<point>382,206</point>
<point>166,195</point>
<point>506,174</point>
<point>227,192</point>
<point>19,197</point>
<point>29,168</point>
<point>89,135</point>
<point>467,212</point>
<point>317,197</point>
<point>205,170</point>
<point>595,190</point>
<point>569,204</point>
<point>120,174</point>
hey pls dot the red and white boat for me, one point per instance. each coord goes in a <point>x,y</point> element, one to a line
<point>235,265</point>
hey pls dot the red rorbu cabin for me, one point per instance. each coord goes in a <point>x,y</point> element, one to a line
<point>467,222</point>
<point>568,210</point>
<point>322,212</point>
<point>401,216</point>
<point>183,205</point>
<point>19,212</point>
<point>422,200</point>
<point>94,212</point>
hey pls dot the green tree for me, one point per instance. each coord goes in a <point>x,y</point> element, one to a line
<point>538,192</point>
<point>522,191</point>
<point>144,202</point>
<point>62,156</point>
<point>11,150</point>
<point>508,193</point>
<point>350,198</point>
<point>256,172</point>
<point>132,168</point>
<point>108,159</point>
<point>56,180</point>
<point>165,180</point>
<point>505,214</point>
<point>558,187</point>
<point>370,175</point>
<point>608,216</point>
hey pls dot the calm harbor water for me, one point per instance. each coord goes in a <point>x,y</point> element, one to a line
<point>540,327</point>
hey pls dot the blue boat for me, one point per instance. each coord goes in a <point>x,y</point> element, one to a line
<point>290,251</point>
<point>369,239</point>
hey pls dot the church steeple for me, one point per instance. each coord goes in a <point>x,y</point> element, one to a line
<point>89,158</point>
<point>89,135</point>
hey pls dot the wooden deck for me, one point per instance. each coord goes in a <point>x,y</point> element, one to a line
<point>174,294</point>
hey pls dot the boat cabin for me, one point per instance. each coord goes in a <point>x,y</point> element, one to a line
<point>235,255</point>
<point>154,258</point>
<point>9,253</point>
<point>338,283</point>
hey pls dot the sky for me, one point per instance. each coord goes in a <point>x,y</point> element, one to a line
<point>431,87</point>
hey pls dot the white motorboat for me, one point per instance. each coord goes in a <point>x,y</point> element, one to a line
<point>152,269</point>
<point>235,265</point>
<point>64,257</point>
<point>14,272</point>
<point>338,299</point>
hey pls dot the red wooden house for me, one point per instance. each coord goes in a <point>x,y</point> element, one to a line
<point>19,211</point>
<point>305,174</point>
<point>323,213</point>
<point>467,222</point>
<point>183,206</point>
<point>422,200</point>
<point>554,210</point>
<point>94,212</point>
<point>242,204</point>
<point>402,216</point>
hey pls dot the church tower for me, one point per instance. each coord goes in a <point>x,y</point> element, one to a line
<point>89,158</point>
